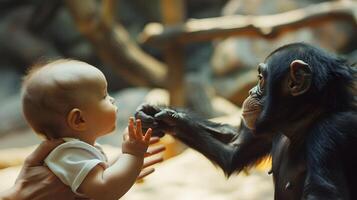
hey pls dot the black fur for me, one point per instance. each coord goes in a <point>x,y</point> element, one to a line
<point>318,159</point>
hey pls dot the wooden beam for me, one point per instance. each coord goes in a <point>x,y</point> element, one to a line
<point>173,13</point>
<point>269,26</point>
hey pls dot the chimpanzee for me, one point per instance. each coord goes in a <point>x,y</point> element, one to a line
<point>302,113</point>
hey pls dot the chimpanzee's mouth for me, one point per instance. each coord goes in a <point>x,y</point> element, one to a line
<point>250,111</point>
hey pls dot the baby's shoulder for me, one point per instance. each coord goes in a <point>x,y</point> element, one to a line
<point>72,143</point>
<point>76,148</point>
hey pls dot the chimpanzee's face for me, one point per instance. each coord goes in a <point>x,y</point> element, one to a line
<point>273,101</point>
<point>253,105</point>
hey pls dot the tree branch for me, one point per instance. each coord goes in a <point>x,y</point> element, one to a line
<point>269,26</point>
<point>113,45</point>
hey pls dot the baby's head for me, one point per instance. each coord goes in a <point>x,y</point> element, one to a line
<point>68,98</point>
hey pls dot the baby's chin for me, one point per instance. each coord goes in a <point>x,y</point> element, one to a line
<point>111,130</point>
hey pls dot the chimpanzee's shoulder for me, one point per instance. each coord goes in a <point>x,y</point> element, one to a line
<point>345,123</point>
<point>335,131</point>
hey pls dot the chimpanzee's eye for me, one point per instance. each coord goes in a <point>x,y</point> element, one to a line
<point>261,81</point>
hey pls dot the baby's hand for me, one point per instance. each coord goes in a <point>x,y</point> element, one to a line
<point>137,143</point>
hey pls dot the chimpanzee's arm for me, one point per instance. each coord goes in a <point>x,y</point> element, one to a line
<point>228,147</point>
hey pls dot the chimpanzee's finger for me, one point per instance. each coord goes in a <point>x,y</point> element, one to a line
<point>146,121</point>
<point>144,117</point>
<point>148,108</point>
<point>168,116</point>
<point>161,115</point>
<point>147,135</point>
<point>158,133</point>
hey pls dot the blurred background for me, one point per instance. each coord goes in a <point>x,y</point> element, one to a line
<point>198,54</point>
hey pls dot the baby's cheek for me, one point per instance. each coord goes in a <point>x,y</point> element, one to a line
<point>113,115</point>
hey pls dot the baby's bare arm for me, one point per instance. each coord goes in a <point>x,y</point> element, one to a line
<point>113,182</point>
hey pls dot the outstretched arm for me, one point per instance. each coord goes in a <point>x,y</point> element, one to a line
<point>115,181</point>
<point>229,148</point>
<point>151,157</point>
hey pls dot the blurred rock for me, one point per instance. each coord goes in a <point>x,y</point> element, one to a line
<point>20,47</point>
<point>235,87</point>
<point>10,82</point>
<point>11,118</point>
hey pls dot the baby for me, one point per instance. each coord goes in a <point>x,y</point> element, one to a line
<point>68,99</point>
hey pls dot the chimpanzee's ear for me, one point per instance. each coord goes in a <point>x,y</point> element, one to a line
<point>300,77</point>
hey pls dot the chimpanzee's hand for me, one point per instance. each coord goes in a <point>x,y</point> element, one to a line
<point>160,119</point>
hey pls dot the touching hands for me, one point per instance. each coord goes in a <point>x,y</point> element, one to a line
<point>135,143</point>
<point>160,119</point>
<point>151,156</point>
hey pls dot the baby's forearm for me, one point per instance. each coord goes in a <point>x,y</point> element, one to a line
<point>113,182</point>
<point>123,173</point>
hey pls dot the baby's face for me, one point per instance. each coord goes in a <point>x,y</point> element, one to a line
<point>68,98</point>
<point>88,87</point>
<point>98,107</point>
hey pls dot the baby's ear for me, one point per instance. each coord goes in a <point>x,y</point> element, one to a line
<point>75,120</point>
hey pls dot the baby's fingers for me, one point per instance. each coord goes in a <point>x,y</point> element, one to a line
<point>148,135</point>
<point>126,137</point>
<point>131,128</point>
<point>139,132</point>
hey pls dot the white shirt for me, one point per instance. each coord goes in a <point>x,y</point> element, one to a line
<point>73,160</point>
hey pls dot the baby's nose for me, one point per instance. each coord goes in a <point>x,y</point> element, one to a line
<point>112,100</point>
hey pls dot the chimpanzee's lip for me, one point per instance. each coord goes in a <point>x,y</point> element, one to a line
<point>251,111</point>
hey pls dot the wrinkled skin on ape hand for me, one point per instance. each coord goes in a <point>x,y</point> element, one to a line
<point>160,119</point>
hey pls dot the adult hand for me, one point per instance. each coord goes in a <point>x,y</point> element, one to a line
<point>148,160</point>
<point>37,182</point>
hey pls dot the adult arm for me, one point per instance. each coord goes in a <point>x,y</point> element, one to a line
<point>36,182</point>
